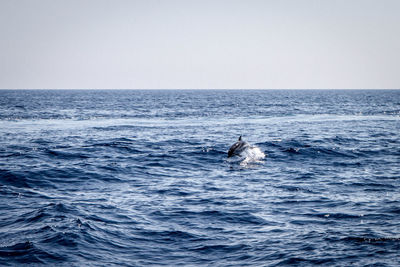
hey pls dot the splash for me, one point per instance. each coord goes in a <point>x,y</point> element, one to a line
<point>250,155</point>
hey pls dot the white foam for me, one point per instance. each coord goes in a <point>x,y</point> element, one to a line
<point>252,154</point>
<point>249,156</point>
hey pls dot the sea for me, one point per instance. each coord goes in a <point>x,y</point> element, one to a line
<point>142,178</point>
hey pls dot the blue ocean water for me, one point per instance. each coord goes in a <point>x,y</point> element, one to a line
<point>138,178</point>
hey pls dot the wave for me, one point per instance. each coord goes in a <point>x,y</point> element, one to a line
<point>372,239</point>
<point>27,253</point>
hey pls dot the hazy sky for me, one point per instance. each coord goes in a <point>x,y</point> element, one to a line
<point>199,44</point>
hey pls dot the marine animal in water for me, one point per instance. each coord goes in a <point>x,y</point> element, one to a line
<point>238,147</point>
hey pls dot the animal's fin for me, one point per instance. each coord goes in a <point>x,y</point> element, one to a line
<point>240,138</point>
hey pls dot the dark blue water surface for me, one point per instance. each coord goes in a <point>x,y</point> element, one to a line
<point>137,178</point>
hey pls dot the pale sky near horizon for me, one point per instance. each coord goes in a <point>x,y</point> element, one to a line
<point>152,44</point>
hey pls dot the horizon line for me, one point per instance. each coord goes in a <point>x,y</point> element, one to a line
<point>199,88</point>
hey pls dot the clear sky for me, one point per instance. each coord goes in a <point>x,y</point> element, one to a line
<point>199,44</point>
